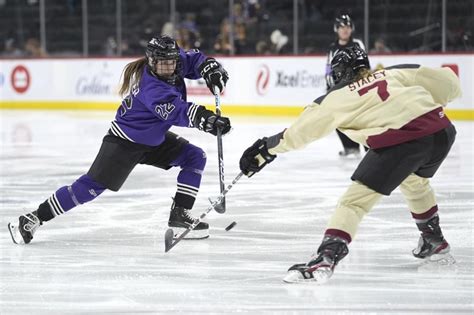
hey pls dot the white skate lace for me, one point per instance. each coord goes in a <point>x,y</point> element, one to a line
<point>33,223</point>
<point>188,215</point>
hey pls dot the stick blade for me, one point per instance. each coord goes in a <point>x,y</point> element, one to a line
<point>220,208</point>
<point>168,239</point>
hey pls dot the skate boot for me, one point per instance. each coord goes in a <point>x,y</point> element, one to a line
<point>26,228</point>
<point>180,219</point>
<point>350,153</point>
<point>432,245</point>
<point>321,267</point>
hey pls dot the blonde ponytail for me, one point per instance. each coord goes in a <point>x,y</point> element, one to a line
<point>132,74</point>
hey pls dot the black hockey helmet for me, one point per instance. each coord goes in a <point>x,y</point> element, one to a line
<point>163,48</point>
<point>347,63</point>
<point>343,20</point>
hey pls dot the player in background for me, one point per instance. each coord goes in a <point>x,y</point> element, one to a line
<point>344,27</point>
<point>155,100</point>
<point>398,113</point>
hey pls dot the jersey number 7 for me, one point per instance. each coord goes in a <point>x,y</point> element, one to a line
<point>381,89</point>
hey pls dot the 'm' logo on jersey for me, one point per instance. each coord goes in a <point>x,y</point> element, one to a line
<point>441,114</point>
<point>164,110</point>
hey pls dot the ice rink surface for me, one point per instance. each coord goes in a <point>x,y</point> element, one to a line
<point>108,256</point>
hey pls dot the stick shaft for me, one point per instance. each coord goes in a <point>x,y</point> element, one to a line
<point>220,154</point>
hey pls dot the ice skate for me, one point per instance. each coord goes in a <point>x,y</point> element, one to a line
<point>26,228</point>
<point>318,270</point>
<point>432,246</point>
<point>321,267</point>
<point>434,250</point>
<point>180,219</point>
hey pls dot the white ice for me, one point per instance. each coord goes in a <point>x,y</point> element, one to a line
<point>108,256</point>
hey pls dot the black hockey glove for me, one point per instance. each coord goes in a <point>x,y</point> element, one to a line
<point>207,121</point>
<point>255,158</point>
<point>214,74</point>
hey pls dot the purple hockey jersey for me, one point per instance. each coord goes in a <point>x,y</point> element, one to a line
<point>153,106</point>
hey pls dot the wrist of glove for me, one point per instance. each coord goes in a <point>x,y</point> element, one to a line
<point>214,74</point>
<point>255,158</point>
<point>208,121</point>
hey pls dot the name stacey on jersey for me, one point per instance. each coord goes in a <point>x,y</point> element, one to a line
<point>369,79</point>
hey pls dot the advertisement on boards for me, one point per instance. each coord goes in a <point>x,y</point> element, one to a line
<point>254,81</point>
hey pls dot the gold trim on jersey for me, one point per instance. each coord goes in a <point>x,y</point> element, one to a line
<point>254,110</point>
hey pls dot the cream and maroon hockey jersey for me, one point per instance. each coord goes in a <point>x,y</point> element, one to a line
<point>390,106</point>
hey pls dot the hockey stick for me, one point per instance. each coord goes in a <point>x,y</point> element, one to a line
<point>169,243</point>
<point>220,207</point>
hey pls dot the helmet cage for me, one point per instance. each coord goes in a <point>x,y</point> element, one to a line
<point>163,48</point>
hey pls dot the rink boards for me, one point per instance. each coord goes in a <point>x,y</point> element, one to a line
<point>273,85</point>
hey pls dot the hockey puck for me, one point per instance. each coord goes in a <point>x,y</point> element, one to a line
<point>231,226</point>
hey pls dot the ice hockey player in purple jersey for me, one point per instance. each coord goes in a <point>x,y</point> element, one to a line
<point>155,99</point>
<point>398,113</point>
